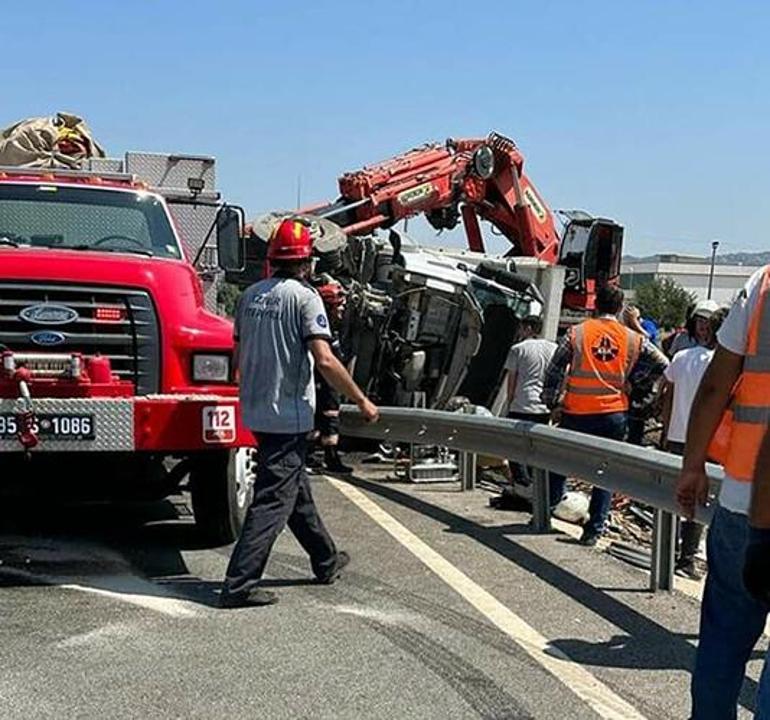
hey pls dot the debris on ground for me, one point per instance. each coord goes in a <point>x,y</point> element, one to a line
<point>632,554</point>
<point>573,507</point>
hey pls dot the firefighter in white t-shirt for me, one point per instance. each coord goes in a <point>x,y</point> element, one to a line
<point>736,597</point>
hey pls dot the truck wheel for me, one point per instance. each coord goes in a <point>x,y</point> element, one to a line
<point>222,486</point>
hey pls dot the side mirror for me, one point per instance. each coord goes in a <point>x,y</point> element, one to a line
<point>230,244</point>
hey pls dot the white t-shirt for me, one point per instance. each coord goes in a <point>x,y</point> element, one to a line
<point>529,360</point>
<point>685,372</point>
<point>733,336</point>
<point>683,341</point>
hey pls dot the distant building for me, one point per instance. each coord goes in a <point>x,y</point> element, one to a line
<point>691,272</point>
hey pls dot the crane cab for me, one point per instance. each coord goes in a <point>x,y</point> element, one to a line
<point>590,250</point>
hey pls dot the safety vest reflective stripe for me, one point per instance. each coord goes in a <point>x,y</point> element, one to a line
<point>603,354</point>
<point>611,384</point>
<point>749,411</point>
<point>757,363</point>
<point>597,391</point>
<point>589,375</point>
<point>752,415</point>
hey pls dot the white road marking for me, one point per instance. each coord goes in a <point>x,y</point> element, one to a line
<point>107,633</point>
<point>130,590</point>
<point>133,591</point>
<point>606,703</point>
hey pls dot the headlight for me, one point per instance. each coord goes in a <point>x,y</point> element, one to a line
<point>484,162</point>
<point>211,368</point>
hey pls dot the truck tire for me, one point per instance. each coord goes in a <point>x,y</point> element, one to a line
<point>221,488</point>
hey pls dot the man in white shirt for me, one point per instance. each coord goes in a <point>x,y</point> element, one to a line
<point>732,616</point>
<point>526,364</point>
<point>683,376</point>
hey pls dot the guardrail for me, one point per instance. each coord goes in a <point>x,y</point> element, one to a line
<point>642,473</point>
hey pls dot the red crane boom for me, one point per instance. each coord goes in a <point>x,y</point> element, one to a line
<point>468,180</point>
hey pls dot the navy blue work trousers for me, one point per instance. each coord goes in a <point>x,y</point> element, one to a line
<point>607,425</point>
<point>281,497</point>
<point>731,623</point>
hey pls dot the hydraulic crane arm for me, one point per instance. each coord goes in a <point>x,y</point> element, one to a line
<point>467,180</point>
<point>463,179</point>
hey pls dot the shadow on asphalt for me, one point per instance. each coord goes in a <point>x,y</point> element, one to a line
<point>118,547</point>
<point>622,650</point>
<point>131,548</point>
<point>645,645</point>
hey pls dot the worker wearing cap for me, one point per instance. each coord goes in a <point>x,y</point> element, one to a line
<point>281,331</point>
<point>697,330</point>
<point>728,423</point>
<point>597,362</point>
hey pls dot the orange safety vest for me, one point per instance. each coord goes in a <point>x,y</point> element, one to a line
<point>603,354</point>
<point>747,418</point>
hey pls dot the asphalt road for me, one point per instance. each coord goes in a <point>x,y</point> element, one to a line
<point>449,610</point>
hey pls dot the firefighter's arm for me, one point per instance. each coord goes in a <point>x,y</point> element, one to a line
<point>759,513</point>
<point>334,372</point>
<point>512,376</point>
<point>710,402</point>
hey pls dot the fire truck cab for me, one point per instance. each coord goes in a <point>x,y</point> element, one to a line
<point>116,373</point>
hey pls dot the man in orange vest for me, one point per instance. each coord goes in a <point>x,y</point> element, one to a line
<point>734,395</point>
<point>597,362</point>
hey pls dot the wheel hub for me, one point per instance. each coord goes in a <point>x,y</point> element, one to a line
<point>245,474</point>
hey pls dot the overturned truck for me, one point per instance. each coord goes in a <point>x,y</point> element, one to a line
<point>422,326</point>
<point>426,325</point>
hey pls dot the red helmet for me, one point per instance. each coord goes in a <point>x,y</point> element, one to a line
<point>290,241</point>
<point>332,294</point>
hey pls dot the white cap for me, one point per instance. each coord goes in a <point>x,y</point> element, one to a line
<point>705,309</point>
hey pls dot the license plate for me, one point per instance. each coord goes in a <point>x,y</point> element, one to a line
<point>54,426</point>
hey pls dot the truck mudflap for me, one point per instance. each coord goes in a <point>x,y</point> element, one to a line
<point>158,423</point>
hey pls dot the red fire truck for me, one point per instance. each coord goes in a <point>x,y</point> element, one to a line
<point>116,374</point>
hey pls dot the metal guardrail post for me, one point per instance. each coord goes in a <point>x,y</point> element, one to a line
<point>467,471</point>
<point>663,551</point>
<point>541,501</point>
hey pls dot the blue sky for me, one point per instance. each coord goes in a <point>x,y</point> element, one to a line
<point>654,113</point>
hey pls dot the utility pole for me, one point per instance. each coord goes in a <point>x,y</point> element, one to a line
<point>714,247</point>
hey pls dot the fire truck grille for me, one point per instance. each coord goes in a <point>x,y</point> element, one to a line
<point>118,323</point>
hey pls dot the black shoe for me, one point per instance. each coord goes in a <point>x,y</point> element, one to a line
<point>333,463</point>
<point>341,561</point>
<point>687,567</point>
<point>589,538</point>
<point>256,597</point>
<point>312,462</point>
<point>509,501</point>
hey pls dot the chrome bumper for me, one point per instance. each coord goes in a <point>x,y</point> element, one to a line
<point>113,424</point>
